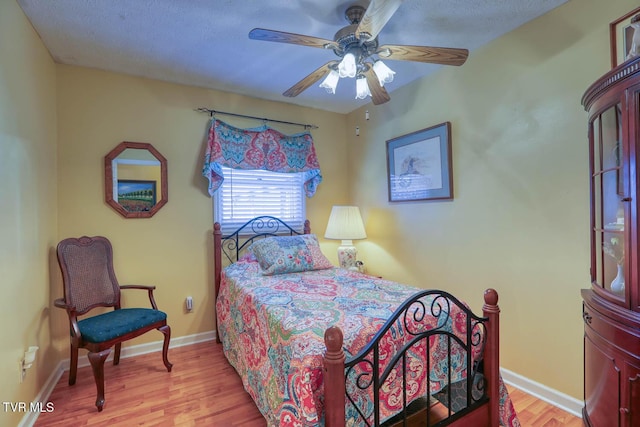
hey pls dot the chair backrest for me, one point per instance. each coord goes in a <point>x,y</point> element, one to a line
<point>87,271</point>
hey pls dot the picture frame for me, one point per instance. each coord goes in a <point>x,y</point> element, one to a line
<point>621,37</point>
<point>136,195</point>
<point>419,165</point>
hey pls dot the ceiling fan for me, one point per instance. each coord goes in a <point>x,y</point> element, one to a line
<point>357,46</point>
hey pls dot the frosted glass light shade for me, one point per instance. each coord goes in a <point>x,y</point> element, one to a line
<point>362,88</point>
<point>331,82</point>
<point>384,73</point>
<point>347,67</point>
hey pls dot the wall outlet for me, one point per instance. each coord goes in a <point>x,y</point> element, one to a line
<point>189,303</point>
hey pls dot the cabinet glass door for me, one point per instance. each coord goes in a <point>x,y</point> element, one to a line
<point>608,217</point>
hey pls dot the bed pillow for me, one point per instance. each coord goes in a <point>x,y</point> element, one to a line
<point>289,254</point>
<point>248,256</point>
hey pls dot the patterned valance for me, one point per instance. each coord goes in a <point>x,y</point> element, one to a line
<point>259,148</point>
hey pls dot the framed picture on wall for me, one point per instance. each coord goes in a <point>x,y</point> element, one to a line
<point>419,165</point>
<point>621,36</point>
<point>136,195</point>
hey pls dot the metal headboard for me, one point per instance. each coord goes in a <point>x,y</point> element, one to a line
<point>233,244</point>
<point>259,227</point>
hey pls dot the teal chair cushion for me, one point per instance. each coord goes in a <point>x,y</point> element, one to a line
<point>114,324</point>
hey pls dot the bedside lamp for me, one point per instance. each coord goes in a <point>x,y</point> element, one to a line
<point>345,223</point>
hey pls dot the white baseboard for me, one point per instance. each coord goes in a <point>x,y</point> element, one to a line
<point>542,392</point>
<point>136,350</point>
<point>30,418</point>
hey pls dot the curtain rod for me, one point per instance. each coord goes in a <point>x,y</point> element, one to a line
<point>214,112</point>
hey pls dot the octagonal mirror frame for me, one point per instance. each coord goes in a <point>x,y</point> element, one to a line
<point>111,180</point>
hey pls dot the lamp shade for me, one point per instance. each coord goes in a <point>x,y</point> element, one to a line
<point>345,223</point>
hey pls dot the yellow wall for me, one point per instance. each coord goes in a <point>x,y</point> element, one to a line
<point>174,249</point>
<point>519,220</point>
<point>28,206</point>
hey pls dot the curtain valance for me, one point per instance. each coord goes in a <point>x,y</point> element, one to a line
<point>259,148</point>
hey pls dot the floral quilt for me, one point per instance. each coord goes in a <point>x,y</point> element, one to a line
<point>272,330</point>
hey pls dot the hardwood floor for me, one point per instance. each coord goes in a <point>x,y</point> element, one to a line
<point>202,390</point>
<point>537,413</point>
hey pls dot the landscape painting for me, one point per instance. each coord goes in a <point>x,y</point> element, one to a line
<point>136,196</point>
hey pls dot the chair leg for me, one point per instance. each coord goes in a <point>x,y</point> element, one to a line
<point>73,364</point>
<point>116,354</point>
<point>97,364</point>
<point>166,330</point>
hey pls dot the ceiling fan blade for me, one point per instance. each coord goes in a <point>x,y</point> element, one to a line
<point>375,18</point>
<point>434,55</point>
<point>379,94</point>
<point>282,37</point>
<point>303,84</point>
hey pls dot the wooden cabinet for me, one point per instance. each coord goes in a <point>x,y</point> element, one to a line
<point>611,366</point>
<point>611,306</point>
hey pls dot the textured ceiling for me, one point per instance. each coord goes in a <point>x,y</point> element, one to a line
<point>205,42</point>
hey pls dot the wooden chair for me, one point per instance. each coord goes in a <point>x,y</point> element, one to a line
<point>90,282</point>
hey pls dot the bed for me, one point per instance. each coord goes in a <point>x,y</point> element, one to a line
<point>318,345</point>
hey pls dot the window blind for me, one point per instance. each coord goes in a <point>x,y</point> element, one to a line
<point>245,194</point>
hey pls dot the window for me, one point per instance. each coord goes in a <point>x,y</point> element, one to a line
<point>245,194</point>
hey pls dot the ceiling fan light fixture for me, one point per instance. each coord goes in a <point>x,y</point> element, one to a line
<point>358,52</point>
<point>347,67</point>
<point>384,73</point>
<point>331,82</point>
<point>362,88</point>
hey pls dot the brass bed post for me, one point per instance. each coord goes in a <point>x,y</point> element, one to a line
<point>492,354</point>
<point>217,261</point>
<point>334,381</point>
